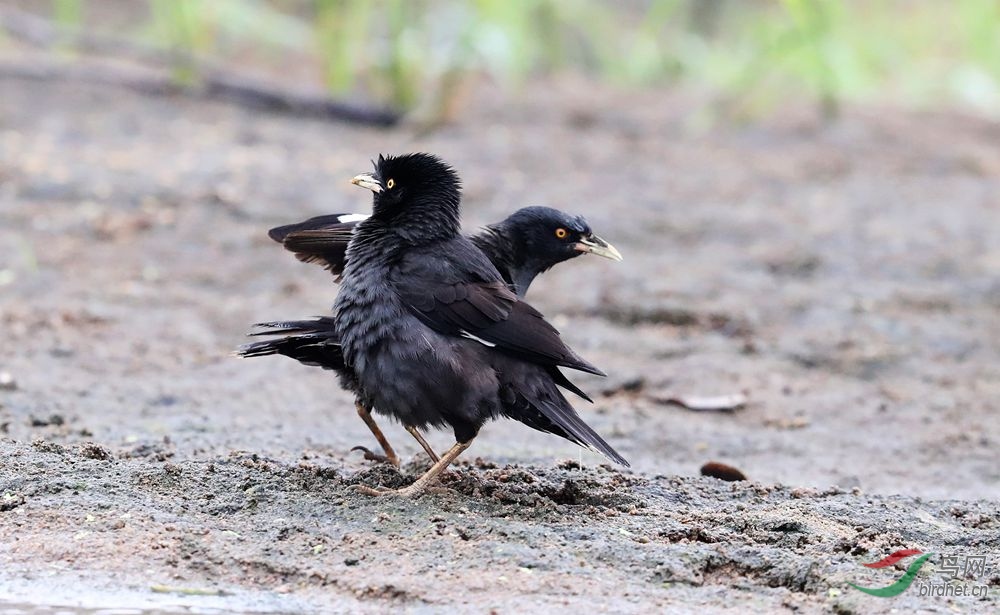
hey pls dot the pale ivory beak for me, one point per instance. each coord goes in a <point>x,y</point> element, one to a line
<point>367,180</point>
<point>593,244</point>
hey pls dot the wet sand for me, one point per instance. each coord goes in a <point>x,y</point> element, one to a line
<point>843,277</point>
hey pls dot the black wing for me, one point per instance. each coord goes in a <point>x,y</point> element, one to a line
<point>498,249</point>
<point>322,240</point>
<point>456,291</point>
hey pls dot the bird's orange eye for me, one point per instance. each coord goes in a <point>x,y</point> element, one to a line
<point>561,233</point>
<point>390,184</point>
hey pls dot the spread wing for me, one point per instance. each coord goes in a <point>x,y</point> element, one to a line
<point>456,291</point>
<point>322,240</point>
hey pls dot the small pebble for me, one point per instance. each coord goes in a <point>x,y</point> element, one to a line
<point>7,382</point>
<point>722,471</point>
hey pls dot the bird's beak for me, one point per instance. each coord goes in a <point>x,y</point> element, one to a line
<point>595,245</point>
<point>367,180</point>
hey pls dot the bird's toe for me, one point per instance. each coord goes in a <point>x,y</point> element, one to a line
<point>407,492</point>
<point>412,492</point>
<point>372,491</point>
<point>372,456</point>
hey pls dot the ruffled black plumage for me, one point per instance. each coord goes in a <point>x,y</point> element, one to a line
<point>429,328</point>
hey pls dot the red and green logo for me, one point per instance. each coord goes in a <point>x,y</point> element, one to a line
<point>905,581</point>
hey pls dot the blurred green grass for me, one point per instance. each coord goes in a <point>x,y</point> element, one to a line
<point>752,54</point>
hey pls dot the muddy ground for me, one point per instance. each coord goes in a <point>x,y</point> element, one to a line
<point>843,276</point>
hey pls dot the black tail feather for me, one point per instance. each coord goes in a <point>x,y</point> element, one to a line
<point>563,415</point>
<point>310,342</point>
<point>547,410</point>
<point>320,325</point>
<point>561,379</point>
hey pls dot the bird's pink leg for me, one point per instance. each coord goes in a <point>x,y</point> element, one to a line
<point>390,455</point>
<point>421,484</point>
<point>427,447</point>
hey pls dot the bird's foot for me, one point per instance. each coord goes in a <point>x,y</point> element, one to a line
<point>425,482</point>
<point>372,491</point>
<point>405,492</point>
<point>392,460</point>
<point>412,491</point>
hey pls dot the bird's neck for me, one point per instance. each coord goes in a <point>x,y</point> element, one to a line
<point>423,223</point>
<point>379,240</point>
<point>508,254</point>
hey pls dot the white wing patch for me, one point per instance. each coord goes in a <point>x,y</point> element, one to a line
<point>478,339</point>
<point>344,219</point>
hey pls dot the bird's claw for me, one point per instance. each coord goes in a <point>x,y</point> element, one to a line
<point>370,456</point>
<point>405,492</point>
<point>372,491</point>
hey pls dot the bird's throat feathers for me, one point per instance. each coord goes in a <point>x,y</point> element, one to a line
<point>419,221</point>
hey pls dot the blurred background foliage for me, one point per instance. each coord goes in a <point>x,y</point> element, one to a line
<point>750,54</point>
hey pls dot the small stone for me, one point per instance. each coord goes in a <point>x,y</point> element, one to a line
<point>91,450</point>
<point>722,471</point>
<point>7,382</point>
<point>55,420</point>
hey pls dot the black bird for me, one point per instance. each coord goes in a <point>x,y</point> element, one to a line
<point>433,334</point>
<point>528,242</point>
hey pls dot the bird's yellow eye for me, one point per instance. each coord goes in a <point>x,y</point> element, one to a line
<point>389,184</point>
<point>561,233</point>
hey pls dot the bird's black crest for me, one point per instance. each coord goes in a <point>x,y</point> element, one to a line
<point>420,193</point>
<point>418,171</point>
